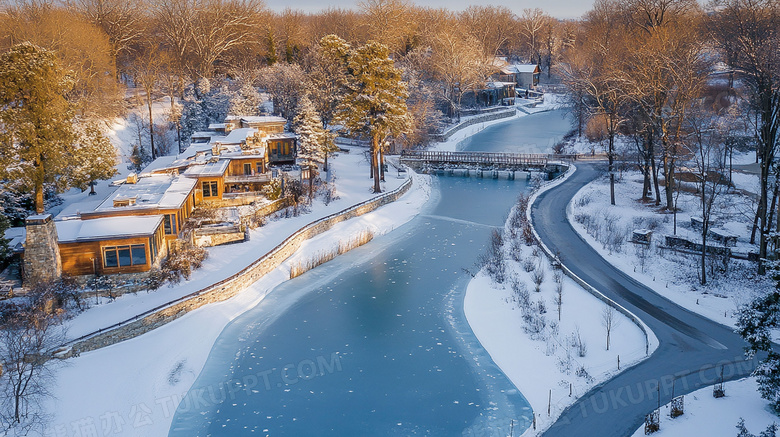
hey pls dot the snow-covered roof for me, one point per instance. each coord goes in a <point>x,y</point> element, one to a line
<point>255,119</point>
<point>108,228</point>
<point>16,238</point>
<point>283,136</point>
<point>237,136</point>
<point>525,68</point>
<point>497,84</point>
<point>206,169</point>
<point>161,163</point>
<point>155,191</point>
<point>216,126</point>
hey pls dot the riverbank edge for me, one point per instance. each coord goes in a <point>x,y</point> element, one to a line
<point>226,288</point>
<point>651,342</point>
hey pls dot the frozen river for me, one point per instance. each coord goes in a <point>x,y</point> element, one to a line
<point>376,342</point>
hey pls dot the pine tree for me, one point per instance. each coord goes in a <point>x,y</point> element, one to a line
<point>95,157</point>
<point>755,323</point>
<point>246,101</point>
<point>311,135</point>
<point>35,119</point>
<point>375,104</point>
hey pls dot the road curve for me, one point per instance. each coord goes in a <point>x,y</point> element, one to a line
<point>692,349</point>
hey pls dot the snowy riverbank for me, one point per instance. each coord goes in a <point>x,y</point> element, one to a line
<point>133,388</point>
<point>551,359</point>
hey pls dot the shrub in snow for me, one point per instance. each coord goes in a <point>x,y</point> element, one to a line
<point>582,373</point>
<point>493,259</point>
<point>516,250</point>
<point>583,200</point>
<point>528,264</point>
<point>534,324</point>
<point>577,343</point>
<point>520,295</point>
<point>183,258</point>
<point>537,275</point>
<point>541,308</point>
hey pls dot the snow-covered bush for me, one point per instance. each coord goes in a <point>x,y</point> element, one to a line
<point>493,259</point>
<point>537,275</point>
<point>183,258</point>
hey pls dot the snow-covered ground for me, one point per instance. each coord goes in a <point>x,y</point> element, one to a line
<point>708,416</point>
<point>672,274</point>
<point>133,387</point>
<point>547,364</point>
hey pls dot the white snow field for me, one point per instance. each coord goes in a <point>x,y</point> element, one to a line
<point>705,415</point>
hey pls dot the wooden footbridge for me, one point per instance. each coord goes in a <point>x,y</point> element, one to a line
<point>430,161</point>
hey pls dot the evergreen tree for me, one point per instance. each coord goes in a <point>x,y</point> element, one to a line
<point>311,135</point>
<point>94,157</point>
<point>755,323</point>
<point>246,101</point>
<point>375,103</point>
<point>35,119</point>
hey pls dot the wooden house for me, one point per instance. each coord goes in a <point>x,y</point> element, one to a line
<point>170,196</point>
<point>111,245</point>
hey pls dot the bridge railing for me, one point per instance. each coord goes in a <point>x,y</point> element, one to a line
<point>483,158</point>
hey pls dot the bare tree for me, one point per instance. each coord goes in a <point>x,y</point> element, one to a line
<point>147,70</point>
<point>200,32</point>
<point>26,336</point>
<point>531,27</point>
<point>458,63</point>
<point>609,321</point>
<point>748,34</point>
<point>707,157</point>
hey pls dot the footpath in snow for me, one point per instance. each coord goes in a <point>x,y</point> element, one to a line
<point>133,388</point>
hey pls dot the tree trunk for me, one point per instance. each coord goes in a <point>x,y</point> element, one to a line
<point>654,170</point>
<point>611,156</point>
<point>38,189</point>
<point>151,124</point>
<point>381,164</point>
<point>375,159</point>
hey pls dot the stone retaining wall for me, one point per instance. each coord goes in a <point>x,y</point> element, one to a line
<point>228,287</point>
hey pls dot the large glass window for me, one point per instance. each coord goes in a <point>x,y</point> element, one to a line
<point>124,256</point>
<point>138,254</point>
<point>259,165</point>
<point>247,169</point>
<point>169,223</point>
<point>210,189</point>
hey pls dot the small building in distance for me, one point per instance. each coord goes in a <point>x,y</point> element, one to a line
<point>524,76</point>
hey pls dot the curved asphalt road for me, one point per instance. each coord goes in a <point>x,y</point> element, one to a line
<point>691,351</point>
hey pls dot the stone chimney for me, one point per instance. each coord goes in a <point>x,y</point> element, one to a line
<point>42,260</point>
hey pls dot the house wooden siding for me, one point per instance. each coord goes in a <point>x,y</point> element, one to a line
<point>236,167</point>
<point>281,150</point>
<point>88,257</point>
<point>199,193</point>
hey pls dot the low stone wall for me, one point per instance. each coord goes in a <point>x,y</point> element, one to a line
<point>226,288</point>
<point>444,136</point>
